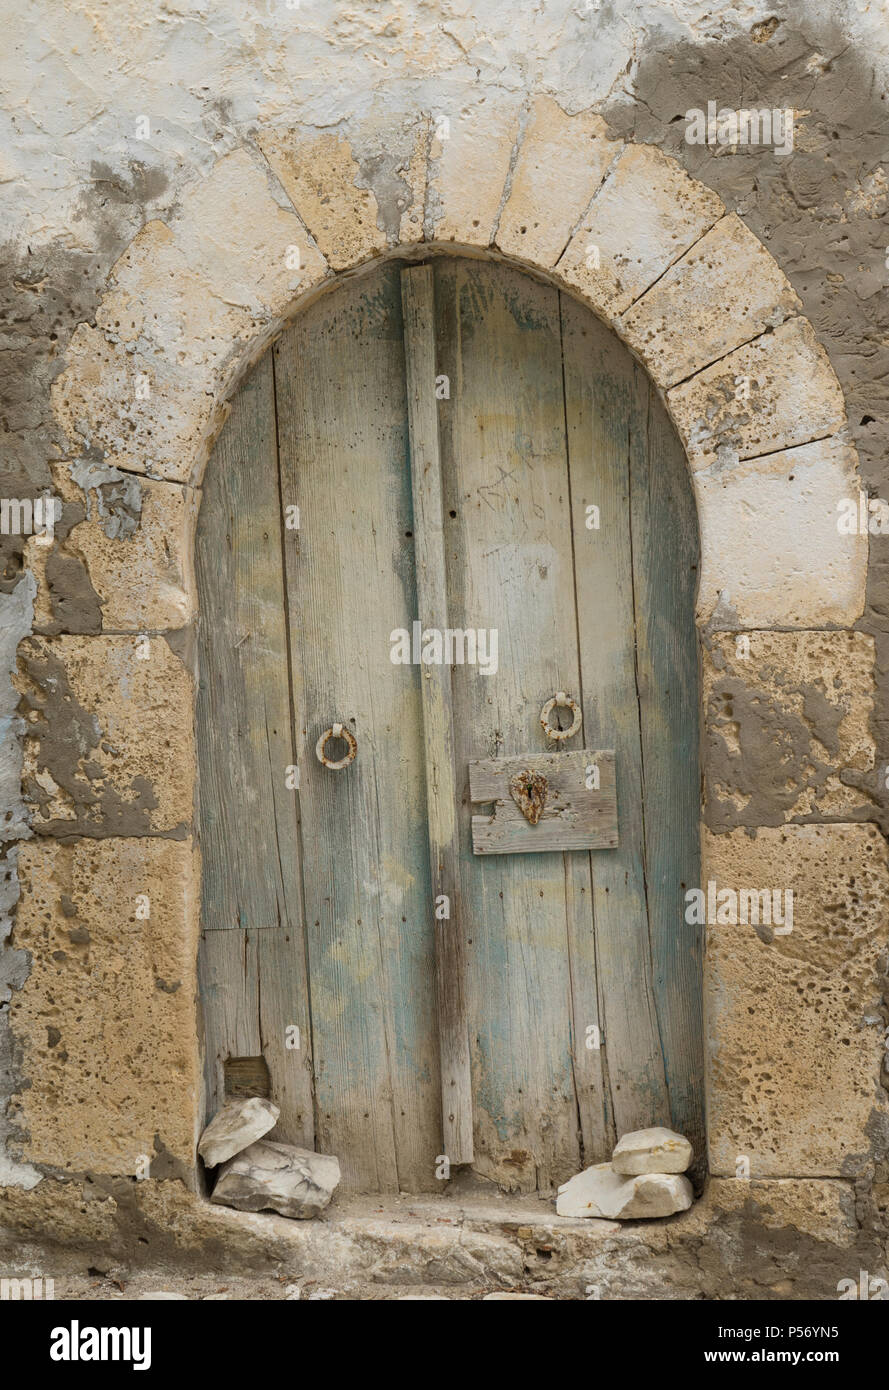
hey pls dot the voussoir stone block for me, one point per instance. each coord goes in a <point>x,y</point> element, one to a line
<point>109,744</point>
<point>776,392</point>
<point>323,180</point>
<point>561,162</point>
<point>645,215</point>
<point>244,242</point>
<point>106,1018</point>
<point>794,1017</point>
<point>771,552</point>
<point>726,290</point>
<point>787,726</point>
<point>143,384</point>
<point>469,159</point>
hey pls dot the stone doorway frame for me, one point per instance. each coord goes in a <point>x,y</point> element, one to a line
<point>189,307</point>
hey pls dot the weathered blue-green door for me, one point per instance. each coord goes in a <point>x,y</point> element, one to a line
<point>462,449</point>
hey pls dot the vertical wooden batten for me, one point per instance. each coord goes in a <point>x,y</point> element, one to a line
<point>417,292</point>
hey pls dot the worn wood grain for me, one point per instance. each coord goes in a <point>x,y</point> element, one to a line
<point>606,419</point>
<point>247,814</point>
<point>574,816</point>
<point>666,561</point>
<point>229,992</point>
<point>350,570</point>
<point>418,303</point>
<point>582,993</point>
<point>508,551</point>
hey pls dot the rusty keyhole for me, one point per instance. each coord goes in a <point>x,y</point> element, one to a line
<point>528,790</point>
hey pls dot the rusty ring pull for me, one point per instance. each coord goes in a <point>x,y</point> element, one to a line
<point>563,701</point>
<point>336,731</point>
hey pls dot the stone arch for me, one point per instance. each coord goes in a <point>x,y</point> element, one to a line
<point>192,304</point>
<point>690,290</point>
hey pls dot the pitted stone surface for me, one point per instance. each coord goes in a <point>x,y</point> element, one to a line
<point>469,159</point>
<point>794,1020</point>
<point>777,392</point>
<point>141,385</point>
<point>725,291</point>
<point>561,162</point>
<point>132,550</point>
<point>771,552</point>
<point>787,719</point>
<point>251,249</point>
<point>107,1026</point>
<point>645,215</point>
<point>109,748</point>
<point>322,179</point>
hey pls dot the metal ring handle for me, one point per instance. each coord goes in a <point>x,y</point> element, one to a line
<point>563,701</point>
<point>336,731</point>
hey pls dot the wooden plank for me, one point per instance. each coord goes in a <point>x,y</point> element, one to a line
<point>229,994</point>
<point>508,554</point>
<point>666,554</point>
<point>418,305</point>
<point>342,417</point>
<point>247,815</point>
<point>279,961</point>
<point>574,815</point>
<point>605,420</point>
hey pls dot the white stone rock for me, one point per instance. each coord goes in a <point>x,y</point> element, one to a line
<point>235,1127</point>
<point>655,1150</point>
<point>280,1177</point>
<point>162,1295</point>
<point>599,1191</point>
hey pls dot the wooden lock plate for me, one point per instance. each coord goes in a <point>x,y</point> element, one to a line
<point>575,815</point>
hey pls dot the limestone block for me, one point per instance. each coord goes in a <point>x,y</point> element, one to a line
<point>141,386</point>
<point>392,158</point>
<point>278,1177</point>
<point>109,744</point>
<point>656,1150</point>
<point>135,549</point>
<point>794,1030</point>
<point>106,1019</point>
<point>771,553</point>
<point>243,242</point>
<point>470,154</point>
<point>774,393</point>
<point>646,214</point>
<point>795,1208</point>
<point>723,292</point>
<point>787,724</point>
<point>600,1191</point>
<point>561,162</point>
<point>322,179</point>
<point>235,1127</point>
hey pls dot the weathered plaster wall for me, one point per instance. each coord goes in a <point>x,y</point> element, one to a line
<point>265,121</point>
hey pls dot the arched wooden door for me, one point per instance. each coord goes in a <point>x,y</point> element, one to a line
<point>549,504</point>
